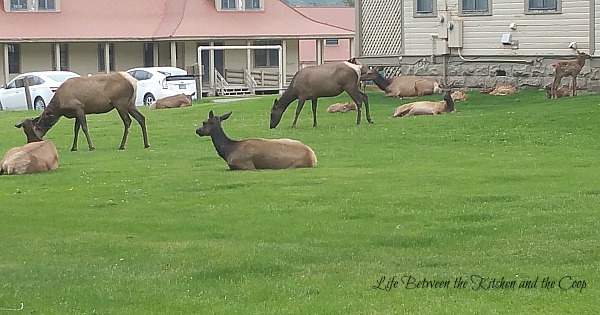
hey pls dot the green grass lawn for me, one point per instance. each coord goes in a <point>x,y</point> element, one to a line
<point>507,187</point>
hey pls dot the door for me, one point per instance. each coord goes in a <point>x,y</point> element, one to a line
<point>13,96</point>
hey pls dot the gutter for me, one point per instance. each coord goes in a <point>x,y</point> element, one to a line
<point>592,49</point>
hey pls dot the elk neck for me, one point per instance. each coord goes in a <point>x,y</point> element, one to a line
<point>223,144</point>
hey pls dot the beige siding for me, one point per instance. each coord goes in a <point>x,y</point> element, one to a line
<point>537,34</point>
<point>129,55</point>
<point>36,57</point>
<point>418,30</point>
<point>83,58</point>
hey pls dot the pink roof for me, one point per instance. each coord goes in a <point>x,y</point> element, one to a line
<point>337,16</point>
<point>162,19</point>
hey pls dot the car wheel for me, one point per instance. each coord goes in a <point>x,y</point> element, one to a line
<point>149,99</point>
<point>1,108</point>
<point>39,103</point>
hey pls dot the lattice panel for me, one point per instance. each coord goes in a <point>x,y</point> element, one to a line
<point>381,27</point>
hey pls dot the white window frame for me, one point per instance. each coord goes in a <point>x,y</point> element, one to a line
<point>462,12</point>
<point>529,10</point>
<point>433,12</point>
<point>331,42</point>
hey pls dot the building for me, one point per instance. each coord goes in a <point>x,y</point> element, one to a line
<point>478,43</point>
<point>102,36</point>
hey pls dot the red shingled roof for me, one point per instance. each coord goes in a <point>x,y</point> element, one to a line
<point>161,19</point>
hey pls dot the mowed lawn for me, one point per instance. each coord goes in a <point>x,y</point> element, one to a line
<point>506,188</point>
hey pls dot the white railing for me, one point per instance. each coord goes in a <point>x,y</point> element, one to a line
<point>249,81</point>
<point>220,82</point>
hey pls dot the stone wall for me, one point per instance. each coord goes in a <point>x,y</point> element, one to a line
<point>479,75</point>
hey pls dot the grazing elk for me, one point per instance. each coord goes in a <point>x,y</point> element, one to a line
<point>322,81</point>
<point>34,157</point>
<point>96,94</point>
<point>426,107</point>
<point>402,86</point>
<point>174,101</point>
<point>566,68</point>
<point>255,153</point>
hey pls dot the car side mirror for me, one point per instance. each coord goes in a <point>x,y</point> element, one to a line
<point>3,86</point>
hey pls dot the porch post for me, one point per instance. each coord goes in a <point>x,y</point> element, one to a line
<point>107,57</point>
<point>283,68</point>
<point>352,48</point>
<point>155,54</point>
<point>211,66</point>
<point>173,54</point>
<point>57,56</point>
<point>5,63</point>
<point>320,51</point>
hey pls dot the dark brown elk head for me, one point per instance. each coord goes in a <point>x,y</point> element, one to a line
<point>28,126</point>
<point>371,74</point>
<point>211,123</point>
<point>276,113</point>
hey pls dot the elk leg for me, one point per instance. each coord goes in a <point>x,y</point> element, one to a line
<point>574,84</point>
<point>142,121</point>
<point>314,111</point>
<point>126,123</point>
<point>298,110</point>
<point>555,85</point>
<point>83,121</point>
<point>75,134</point>
<point>365,99</point>
<point>357,98</point>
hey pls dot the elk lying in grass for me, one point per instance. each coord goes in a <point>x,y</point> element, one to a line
<point>322,81</point>
<point>174,101</point>
<point>34,157</point>
<point>341,107</point>
<point>96,94</point>
<point>562,91</point>
<point>501,89</point>
<point>566,68</point>
<point>255,153</point>
<point>426,107</point>
<point>459,96</point>
<point>402,86</point>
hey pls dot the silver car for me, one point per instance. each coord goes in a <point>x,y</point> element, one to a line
<point>42,85</point>
<point>158,82</point>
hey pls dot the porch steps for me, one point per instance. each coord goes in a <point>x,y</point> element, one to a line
<point>234,90</point>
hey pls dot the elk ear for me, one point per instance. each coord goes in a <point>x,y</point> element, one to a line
<point>275,102</point>
<point>224,116</point>
<point>211,114</point>
<point>19,124</point>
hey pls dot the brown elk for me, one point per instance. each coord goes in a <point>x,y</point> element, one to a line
<point>402,86</point>
<point>322,81</point>
<point>341,107</point>
<point>426,107</point>
<point>566,68</point>
<point>500,89</point>
<point>255,153</point>
<point>96,94</point>
<point>174,101</point>
<point>34,157</point>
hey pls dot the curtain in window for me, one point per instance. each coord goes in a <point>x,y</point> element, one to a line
<point>542,4</point>
<point>475,5</point>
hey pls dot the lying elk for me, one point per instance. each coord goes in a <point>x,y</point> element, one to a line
<point>341,107</point>
<point>562,91</point>
<point>255,153</point>
<point>500,89</point>
<point>96,94</point>
<point>322,81</point>
<point>402,86</point>
<point>34,157</point>
<point>174,101</point>
<point>426,107</point>
<point>566,68</point>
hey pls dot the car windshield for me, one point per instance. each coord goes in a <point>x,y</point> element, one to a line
<point>62,77</point>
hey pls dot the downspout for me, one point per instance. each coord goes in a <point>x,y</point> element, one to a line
<point>402,41</point>
<point>592,49</point>
<point>358,29</point>
<point>5,63</point>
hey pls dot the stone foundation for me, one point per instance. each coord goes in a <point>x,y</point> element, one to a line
<point>480,75</point>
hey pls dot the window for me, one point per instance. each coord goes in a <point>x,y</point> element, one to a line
<point>332,42</point>
<point>64,57</point>
<point>31,5</point>
<point>14,58</point>
<point>46,5</point>
<point>542,5</point>
<point>101,57</point>
<point>140,75</point>
<point>266,57</point>
<point>252,4</point>
<point>228,4</point>
<point>425,7</point>
<point>18,5</point>
<point>148,54</point>
<point>475,6</point>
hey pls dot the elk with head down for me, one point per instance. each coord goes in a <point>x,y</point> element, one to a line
<point>402,86</point>
<point>96,94</point>
<point>322,81</point>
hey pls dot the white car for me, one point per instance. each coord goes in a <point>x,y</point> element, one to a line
<point>42,85</point>
<point>158,82</point>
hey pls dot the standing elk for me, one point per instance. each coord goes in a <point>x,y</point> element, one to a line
<point>566,68</point>
<point>96,94</point>
<point>322,81</point>
<point>402,86</point>
<point>255,153</point>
